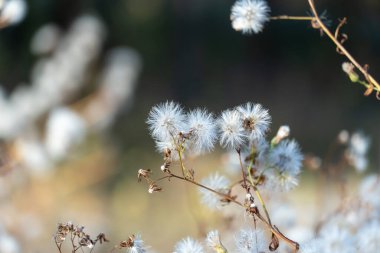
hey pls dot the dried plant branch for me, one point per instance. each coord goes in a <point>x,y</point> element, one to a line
<point>341,48</point>
<point>251,210</point>
<point>317,23</point>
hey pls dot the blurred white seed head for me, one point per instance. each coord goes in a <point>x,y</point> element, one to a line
<point>188,245</point>
<point>33,155</point>
<point>251,241</point>
<point>343,137</point>
<point>281,181</point>
<point>203,131</point>
<point>165,121</point>
<point>337,240</point>
<point>256,120</point>
<point>286,157</point>
<point>64,129</point>
<point>12,12</point>
<point>357,151</point>
<point>117,82</point>
<point>313,246</point>
<point>249,16</point>
<point>369,191</point>
<point>217,182</point>
<point>231,129</point>
<point>369,237</point>
<point>45,40</point>
<point>8,244</point>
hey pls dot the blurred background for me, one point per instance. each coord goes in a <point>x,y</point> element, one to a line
<point>78,79</point>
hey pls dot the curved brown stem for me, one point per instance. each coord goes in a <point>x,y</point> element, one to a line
<point>342,49</point>
<point>257,214</point>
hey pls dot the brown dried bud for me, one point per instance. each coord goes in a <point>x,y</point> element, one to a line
<point>154,188</point>
<point>143,174</point>
<point>349,69</point>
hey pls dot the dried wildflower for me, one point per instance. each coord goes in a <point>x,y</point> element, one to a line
<point>86,242</point>
<point>202,129</point>
<point>169,148</point>
<point>256,120</point>
<point>218,183</point>
<point>251,241</point>
<point>232,134</point>
<point>154,188</point>
<point>143,174</point>
<point>249,15</point>
<point>165,121</point>
<point>134,244</point>
<point>213,241</point>
<point>188,245</point>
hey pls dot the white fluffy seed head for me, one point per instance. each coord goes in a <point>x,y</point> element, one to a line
<point>217,182</point>
<point>256,120</point>
<point>249,16</point>
<point>231,129</point>
<point>166,120</point>
<point>188,245</point>
<point>202,129</point>
<point>286,157</point>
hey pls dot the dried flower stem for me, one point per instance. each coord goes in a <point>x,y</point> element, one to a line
<point>286,17</point>
<point>272,228</point>
<point>254,185</point>
<point>242,172</point>
<point>372,83</point>
<point>341,47</point>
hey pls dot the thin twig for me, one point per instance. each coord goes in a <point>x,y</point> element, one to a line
<point>341,47</point>
<point>273,229</point>
<point>286,17</point>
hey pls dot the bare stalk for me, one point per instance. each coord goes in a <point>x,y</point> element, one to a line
<point>286,17</point>
<point>272,228</point>
<point>341,47</point>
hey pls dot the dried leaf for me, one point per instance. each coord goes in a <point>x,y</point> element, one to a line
<point>274,243</point>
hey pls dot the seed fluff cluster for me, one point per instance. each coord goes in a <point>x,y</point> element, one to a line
<point>249,16</point>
